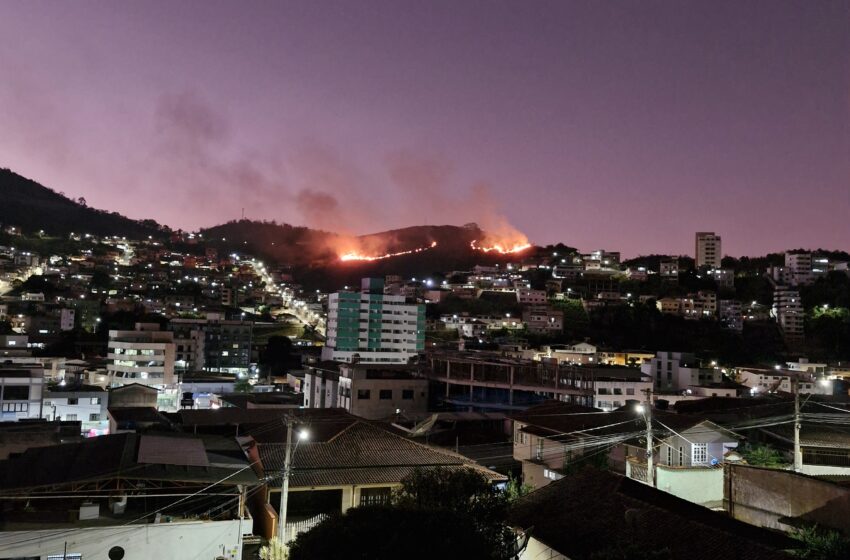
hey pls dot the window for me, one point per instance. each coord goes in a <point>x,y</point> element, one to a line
<point>95,400</point>
<point>630,391</point>
<point>364,394</point>
<point>699,453</point>
<point>385,394</point>
<point>94,417</point>
<point>70,417</point>
<point>539,453</point>
<point>375,496</point>
<point>16,393</point>
<point>519,436</point>
<point>407,394</point>
<point>16,407</point>
<point>669,455</point>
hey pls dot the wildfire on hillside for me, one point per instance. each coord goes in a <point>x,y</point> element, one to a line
<point>356,256</point>
<point>502,247</point>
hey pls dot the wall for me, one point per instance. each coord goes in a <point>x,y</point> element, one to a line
<point>702,486</point>
<point>193,539</point>
<point>762,497</point>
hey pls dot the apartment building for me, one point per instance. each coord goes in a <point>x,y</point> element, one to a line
<point>708,251</point>
<point>679,371</point>
<point>371,327</point>
<point>701,305</point>
<point>21,388</point>
<point>379,392</point>
<point>798,269</point>
<point>144,355</point>
<point>527,296</point>
<point>669,270</point>
<point>213,345</point>
<point>615,387</point>
<point>788,312</point>
<point>543,319</point>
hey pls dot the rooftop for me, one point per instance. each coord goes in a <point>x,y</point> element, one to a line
<point>581,514</point>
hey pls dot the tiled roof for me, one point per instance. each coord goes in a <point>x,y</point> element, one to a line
<point>361,453</point>
<point>586,512</point>
<point>112,456</point>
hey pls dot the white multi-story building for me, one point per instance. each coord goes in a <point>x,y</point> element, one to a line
<point>708,250</point>
<point>21,390</point>
<point>621,385</point>
<point>371,327</point>
<point>144,355</point>
<point>788,312</point>
<point>798,269</point>
<point>679,371</point>
<point>85,403</point>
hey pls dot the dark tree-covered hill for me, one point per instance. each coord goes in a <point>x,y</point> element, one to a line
<point>31,207</point>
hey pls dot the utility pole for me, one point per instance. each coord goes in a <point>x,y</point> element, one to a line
<point>284,488</point>
<point>798,453</point>
<point>650,472</point>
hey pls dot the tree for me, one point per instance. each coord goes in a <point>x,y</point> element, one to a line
<point>391,532</point>
<point>276,356</point>
<point>460,505</point>
<point>763,456</point>
<point>243,386</point>
<point>819,544</point>
<point>463,491</point>
<point>275,550</point>
<point>515,489</point>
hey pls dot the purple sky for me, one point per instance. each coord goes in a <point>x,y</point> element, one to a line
<point>604,124</point>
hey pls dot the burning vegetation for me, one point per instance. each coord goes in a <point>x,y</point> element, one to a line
<point>356,256</point>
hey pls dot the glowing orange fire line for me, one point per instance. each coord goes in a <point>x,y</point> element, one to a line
<point>505,250</point>
<point>355,256</point>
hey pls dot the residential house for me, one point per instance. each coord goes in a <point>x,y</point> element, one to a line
<point>594,513</point>
<point>113,496</point>
<point>86,403</point>
<point>344,462</point>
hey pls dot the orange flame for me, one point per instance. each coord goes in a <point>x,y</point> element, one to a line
<point>355,256</point>
<point>503,248</point>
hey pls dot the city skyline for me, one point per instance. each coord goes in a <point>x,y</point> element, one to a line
<point>600,125</point>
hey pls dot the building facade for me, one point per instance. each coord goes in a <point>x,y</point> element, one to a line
<point>371,327</point>
<point>708,250</point>
<point>144,355</point>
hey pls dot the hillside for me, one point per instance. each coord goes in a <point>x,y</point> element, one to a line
<point>315,256</point>
<point>33,207</point>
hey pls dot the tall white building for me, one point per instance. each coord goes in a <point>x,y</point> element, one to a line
<point>678,371</point>
<point>708,250</point>
<point>788,311</point>
<point>144,355</point>
<point>798,269</point>
<point>375,327</point>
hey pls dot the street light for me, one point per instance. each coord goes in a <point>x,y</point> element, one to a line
<point>303,435</point>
